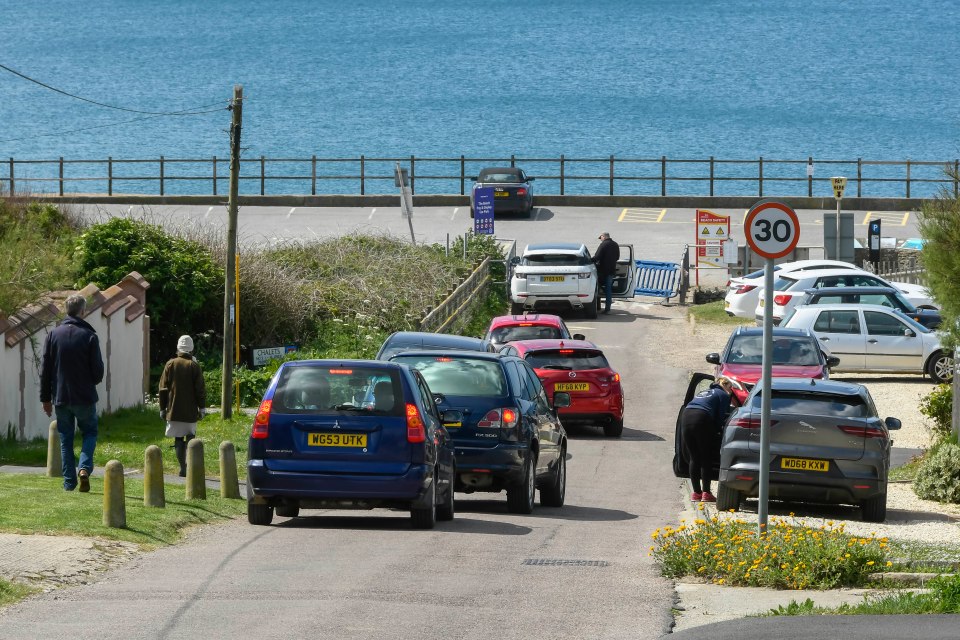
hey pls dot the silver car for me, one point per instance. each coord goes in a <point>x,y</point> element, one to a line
<point>871,338</point>
<point>827,445</point>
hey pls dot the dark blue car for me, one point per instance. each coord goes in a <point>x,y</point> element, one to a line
<point>507,434</point>
<point>349,434</point>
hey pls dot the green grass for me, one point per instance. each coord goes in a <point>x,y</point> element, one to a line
<point>11,592</point>
<point>126,434</point>
<point>713,313</point>
<point>34,504</point>
<point>943,597</point>
<point>907,471</point>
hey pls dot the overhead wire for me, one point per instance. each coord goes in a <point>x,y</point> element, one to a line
<point>99,126</point>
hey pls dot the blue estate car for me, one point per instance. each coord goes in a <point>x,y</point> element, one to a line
<point>399,341</point>
<point>349,434</point>
<point>507,434</point>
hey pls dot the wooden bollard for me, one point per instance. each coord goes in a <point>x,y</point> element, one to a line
<point>229,484</point>
<point>196,488</point>
<point>153,490</point>
<point>114,507</point>
<point>54,461</point>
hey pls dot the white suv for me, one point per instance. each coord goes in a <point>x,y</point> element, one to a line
<point>557,273</point>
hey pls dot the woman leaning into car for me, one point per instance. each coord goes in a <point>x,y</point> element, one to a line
<point>702,418</point>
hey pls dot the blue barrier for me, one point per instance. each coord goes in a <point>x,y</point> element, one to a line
<point>657,279</point>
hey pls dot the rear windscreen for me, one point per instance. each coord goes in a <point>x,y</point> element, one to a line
<point>574,360</point>
<point>453,376</point>
<point>501,335</point>
<point>796,351</point>
<point>331,390</point>
<point>555,260</point>
<point>815,404</point>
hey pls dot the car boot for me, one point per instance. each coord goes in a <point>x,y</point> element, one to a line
<point>180,446</point>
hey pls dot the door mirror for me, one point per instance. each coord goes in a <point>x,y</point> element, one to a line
<point>579,336</point>
<point>909,333</point>
<point>529,179</point>
<point>452,418</point>
<point>515,260</point>
<point>561,399</point>
<point>892,424</point>
<point>713,358</point>
<point>833,361</point>
<point>474,178</point>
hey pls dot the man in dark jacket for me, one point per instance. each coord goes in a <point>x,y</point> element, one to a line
<point>71,369</point>
<point>606,260</point>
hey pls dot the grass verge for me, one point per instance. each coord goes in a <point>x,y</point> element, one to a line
<point>33,504</point>
<point>713,313</point>
<point>943,597</point>
<point>11,592</point>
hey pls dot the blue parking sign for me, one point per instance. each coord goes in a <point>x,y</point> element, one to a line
<point>483,210</point>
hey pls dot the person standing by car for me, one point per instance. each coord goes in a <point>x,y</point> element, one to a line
<point>606,260</point>
<point>182,398</point>
<point>70,371</point>
<point>702,418</point>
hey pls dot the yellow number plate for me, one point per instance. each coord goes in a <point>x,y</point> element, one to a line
<point>337,439</point>
<point>552,278</point>
<point>571,386</point>
<point>726,305</point>
<point>804,464</point>
<point>501,194</point>
<point>761,302</point>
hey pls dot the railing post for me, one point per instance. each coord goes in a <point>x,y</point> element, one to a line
<point>363,173</point>
<point>810,177</point>
<point>214,175</point>
<point>413,175</point>
<point>561,173</point>
<point>161,175</point>
<point>513,160</point>
<point>61,175</point>
<point>956,178</point>
<point>859,177</point>
<point>11,177</point>
<point>109,175</point>
<point>760,176</point>
<point>263,175</point>
<point>663,175</point>
<point>313,175</point>
<point>908,177</point>
<point>463,175</point>
<point>711,176</point>
<point>611,175</point>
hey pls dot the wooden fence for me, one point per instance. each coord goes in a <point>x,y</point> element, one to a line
<point>445,315</point>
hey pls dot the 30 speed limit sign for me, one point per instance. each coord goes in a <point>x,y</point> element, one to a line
<point>772,229</point>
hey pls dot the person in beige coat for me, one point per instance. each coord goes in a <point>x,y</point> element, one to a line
<point>182,398</point>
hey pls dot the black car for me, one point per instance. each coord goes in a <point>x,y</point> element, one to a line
<point>885,296</point>
<point>507,434</point>
<point>511,189</point>
<point>401,341</point>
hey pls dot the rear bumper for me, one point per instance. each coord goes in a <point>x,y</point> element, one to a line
<point>491,468</point>
<point>807,486</point>
<point>274,486</point>
<point>599,410</point>
<point>567,300</point>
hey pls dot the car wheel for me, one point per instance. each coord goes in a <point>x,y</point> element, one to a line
<point>556,493</point>
<point>520,497</point>
<point>516,308</point>
<point>727,498</point>
<point>529,212</point>
<point>426,517</point>
<point>288,510</point>
<point>447,510</point>
<point>259,514</point>
<point>614,428</point>
<point>590,310</point>
<point>940,367</point>
<point>875,508</point>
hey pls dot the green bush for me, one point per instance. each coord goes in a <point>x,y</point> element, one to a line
<point>938,406</point>
<point>939,475</point>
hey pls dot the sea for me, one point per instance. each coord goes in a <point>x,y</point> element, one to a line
<point>643,79</point>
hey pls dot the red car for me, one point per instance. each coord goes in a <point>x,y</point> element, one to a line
<point>528,326</point>
<point>796,354</point>
<point>579,368</point>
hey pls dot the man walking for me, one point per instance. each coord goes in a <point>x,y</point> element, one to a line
<point>72,368</point>
<point>606,260</point>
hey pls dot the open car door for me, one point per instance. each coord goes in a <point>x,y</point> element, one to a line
<point>681,465</point>
<point>624,280</point>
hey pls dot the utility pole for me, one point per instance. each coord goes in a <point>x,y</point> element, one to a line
<point>226,390</point>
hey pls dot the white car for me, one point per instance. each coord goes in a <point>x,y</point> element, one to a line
<point>789,289</point>
<point>743,293</point>
<point>562,274</point>
<point>870,338</point>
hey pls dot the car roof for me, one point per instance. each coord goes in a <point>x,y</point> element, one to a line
<point>514,170</point>
<point>555,246</point>
<point>848,307</point>
<point>780,332</point>
<point>813,385</point>
<point>850,290</point>
<point>437,339</point>
<point>329,362</point>
<point>820,273</point>
<point>526,346</point>
<point>454,353</point>
<point>801,264</point>
<point>542,319</point>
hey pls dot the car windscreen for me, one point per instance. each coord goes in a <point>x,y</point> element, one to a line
<point>815,404</point>
<point>555,260</point>
<point>502,335</point>
<point>794,350</point>
<point>454,376</point>
<point>499,176</point>
<point>567,359</point>
<point>334,390</point>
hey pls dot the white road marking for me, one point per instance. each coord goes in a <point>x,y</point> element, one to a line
<point>207,214</point>
<point>129,209</point>
<point>536,216</point>
<point>455,209</point>
<point>290,213</point>
<point>313,232</point>
<point>373,211</point>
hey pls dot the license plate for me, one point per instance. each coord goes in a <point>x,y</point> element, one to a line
<point>501,194</point>
<point>571,386</point>
<point>726,305</point>
<point>761,302</point>
<point>804,464</point>
<point>337,439</point>
<point>552,278</point>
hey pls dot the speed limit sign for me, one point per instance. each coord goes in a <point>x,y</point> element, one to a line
<point>772,229</point>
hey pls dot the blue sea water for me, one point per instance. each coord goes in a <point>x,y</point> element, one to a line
<point>872,79</point>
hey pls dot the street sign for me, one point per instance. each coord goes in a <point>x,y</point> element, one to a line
<point>873,240</point>
<point>483,210</point>
<point>839,184</point>
<point>772,229</point>
<point>712,230</point>
<point>262,356</point>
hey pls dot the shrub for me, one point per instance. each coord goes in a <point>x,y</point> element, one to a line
<point>938,406</point>
<point>939,475</point>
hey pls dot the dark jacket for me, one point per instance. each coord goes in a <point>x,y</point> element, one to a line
<point>606,257</point>
<point>72,366</point>
<point>715,401</point>
<point>182,392</point>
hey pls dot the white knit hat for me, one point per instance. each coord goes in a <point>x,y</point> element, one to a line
<point>185,344</point>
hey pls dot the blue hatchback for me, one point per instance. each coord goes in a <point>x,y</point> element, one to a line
<point>349,434</point>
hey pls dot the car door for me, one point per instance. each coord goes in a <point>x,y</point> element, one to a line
<point>625,278</point>
<point>840,333</point>
<point>548,423</point>
<point>681,464</point>
<point>891,345</point>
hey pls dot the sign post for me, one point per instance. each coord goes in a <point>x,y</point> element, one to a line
<point>773,230</point>
<point>401,179</point>
<point>839,184</point>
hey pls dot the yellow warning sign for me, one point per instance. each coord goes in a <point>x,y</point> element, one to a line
<point>705,232</point>
<point>721,231</point>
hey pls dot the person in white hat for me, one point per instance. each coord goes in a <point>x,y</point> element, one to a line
<point>182,398</point>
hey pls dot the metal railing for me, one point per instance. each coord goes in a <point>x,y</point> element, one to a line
<point>564,176</point>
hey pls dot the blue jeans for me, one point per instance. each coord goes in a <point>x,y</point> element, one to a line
<point>608,286</point>
<point>71,417</point>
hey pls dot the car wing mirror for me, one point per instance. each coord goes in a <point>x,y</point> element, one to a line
<point>833,361</point>
<point>452,418</point>
<point>892,423</point>
<point>579,336</point>
<point>474,178</point>
<point>713,358</point>
<point>909,333</point>
<point>439,398</point>
<point>515,260</point>
<point>561,399</point>
<point>529,179</point>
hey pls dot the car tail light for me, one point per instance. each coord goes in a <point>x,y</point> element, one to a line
<point>508,418</point>
<point>782,299</point>
<point>728,283</point>
<point>566,351</point>
<point>585,276</point>
<point>745,288</point>
<point>415,429</point>
<point>521,192</point>
<point>862,431</point>
<point>749,423</point>
<point>505,418</point>
<point>261,423</point>
<point>519,276</point>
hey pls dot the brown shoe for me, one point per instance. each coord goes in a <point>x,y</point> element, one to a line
<point>84,481</point>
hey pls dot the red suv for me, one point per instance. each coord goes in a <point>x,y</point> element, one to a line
<point>579,368</point>
<point>528,326</point>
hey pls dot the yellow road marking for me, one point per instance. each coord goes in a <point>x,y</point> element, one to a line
<point>622,215</point>
<point>890,218</point>
<point>642,215</point>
